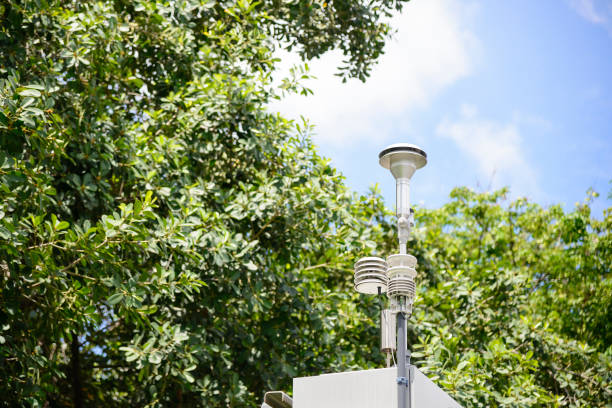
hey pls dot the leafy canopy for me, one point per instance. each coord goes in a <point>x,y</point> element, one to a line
<point>515,303</point>
<point>158,227</point>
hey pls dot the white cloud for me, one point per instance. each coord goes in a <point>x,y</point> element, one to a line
<point>586,9</point>
<point>496,148</point>
<point>598,12</point>
<point>431,50</point>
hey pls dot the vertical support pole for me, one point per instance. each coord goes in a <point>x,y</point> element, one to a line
<point>402,377</point>
<point>410,369</point>
<point>402,203</point>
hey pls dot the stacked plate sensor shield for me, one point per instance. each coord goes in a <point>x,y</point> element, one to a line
<point>371,275</point>
<point>401,288</point>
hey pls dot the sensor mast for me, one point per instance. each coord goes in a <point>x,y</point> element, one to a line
<point>402,159</point>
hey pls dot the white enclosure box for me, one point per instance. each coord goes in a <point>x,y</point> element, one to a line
<point>366,389</point>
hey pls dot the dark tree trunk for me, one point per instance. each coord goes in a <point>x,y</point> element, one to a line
<point>75,371</point>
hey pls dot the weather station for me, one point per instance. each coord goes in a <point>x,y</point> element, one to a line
<point>403,386</point>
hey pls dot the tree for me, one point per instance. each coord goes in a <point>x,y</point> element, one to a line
<point>160,231</point>
<point>515,302</point>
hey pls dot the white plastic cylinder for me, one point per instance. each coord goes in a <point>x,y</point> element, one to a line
<point>402,197</point>
<point>387,331</point>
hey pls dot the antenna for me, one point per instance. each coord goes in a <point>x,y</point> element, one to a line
<point>396,276</point>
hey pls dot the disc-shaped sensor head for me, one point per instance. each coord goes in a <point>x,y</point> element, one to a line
<point>403,159</point>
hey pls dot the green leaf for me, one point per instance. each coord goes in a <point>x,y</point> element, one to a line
<point>462,365</point>
<point>155,358</point>
<point>28,92</point>
<point>114,299</point>
<point>188,377</point>
<point>35,111</point>
<point>131,357</point>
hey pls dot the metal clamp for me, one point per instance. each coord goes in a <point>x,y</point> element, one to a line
<point>406,381</point>
<point>403,381</point>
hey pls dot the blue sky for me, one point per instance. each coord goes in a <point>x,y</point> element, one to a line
<point>500,93</point>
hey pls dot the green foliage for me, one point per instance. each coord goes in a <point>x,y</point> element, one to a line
<point>163,238</point>
<point>166,241</point>
<point>515,303</point>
